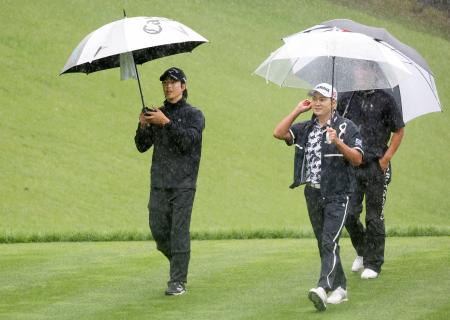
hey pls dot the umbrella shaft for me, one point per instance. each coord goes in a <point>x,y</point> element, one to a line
<point>139,84</point>
<point>332,74</point>
<point>332,86</point>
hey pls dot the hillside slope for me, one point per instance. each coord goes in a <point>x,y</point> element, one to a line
<point>67,156</point>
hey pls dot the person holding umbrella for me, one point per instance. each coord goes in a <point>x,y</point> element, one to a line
<point>327,146</point>
<point>175,132</point>
<point>382,128</point>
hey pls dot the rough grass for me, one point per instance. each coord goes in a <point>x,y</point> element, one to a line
<point>427,16</point>
<point>206,235</point>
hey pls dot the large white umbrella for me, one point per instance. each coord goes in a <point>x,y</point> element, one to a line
<point>307,59</point>
<point>417,95</point>
<point>131,41</point>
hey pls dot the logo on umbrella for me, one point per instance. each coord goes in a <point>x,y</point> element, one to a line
<point>152,26</point>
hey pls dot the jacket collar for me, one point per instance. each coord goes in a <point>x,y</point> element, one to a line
<point>178,104</point>
<point>334,117</point>
<point>367,92</point>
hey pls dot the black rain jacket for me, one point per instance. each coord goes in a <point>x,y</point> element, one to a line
<point>176,146</point>
<point>337,174</point>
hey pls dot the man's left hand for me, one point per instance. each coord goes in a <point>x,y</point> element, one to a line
<point>383,164</point>
<point>332,135</point>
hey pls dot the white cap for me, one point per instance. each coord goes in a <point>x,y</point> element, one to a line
<point>324,89</point>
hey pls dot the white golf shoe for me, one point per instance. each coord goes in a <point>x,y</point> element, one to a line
<point>369,274</point>
<point>318,296</point>
<point>358,264</point>
<point>337,296</point>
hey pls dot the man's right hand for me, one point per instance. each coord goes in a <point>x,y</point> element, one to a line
<point>281,131</point>
<point>303,106</point>
<point>144,120</point>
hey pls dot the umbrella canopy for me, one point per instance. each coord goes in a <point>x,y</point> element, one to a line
<point>379,34</point>
<point>129,41</point>
<point>310,58</point>
<point>148,38</point>
<point>417,95</point>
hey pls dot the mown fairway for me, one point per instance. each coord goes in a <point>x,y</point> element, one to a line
<point>252,279</point>
<point>67,156</point>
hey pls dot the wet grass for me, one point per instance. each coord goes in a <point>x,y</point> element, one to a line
<point>253,279</point>
<point>67,156</point>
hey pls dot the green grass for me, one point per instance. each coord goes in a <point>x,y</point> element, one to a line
<point>253,279</point>
<point>67,156</point>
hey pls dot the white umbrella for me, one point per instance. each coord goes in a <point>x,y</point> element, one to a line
<point>131,41</point>
<point>310,58</point>
<point>417,95</point>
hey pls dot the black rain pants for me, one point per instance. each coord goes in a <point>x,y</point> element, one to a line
<point>369,241</point>
<point>327,216</point>
<point>170,217</point>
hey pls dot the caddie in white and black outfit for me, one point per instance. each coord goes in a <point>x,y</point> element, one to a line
<point>326,149</point>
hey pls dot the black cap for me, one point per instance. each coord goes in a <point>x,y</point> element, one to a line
<point>175,74</point>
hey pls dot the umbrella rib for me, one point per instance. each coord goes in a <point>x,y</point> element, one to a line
<point>289,71</point>
<point>415,66</point>
<point>429,84</point>
<point>387,45</point>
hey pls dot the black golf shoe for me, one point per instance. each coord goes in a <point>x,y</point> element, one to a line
<point>175,288</point>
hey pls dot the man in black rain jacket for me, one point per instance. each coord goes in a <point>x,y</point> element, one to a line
<point>175,132</point>
<point>380,122</point>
